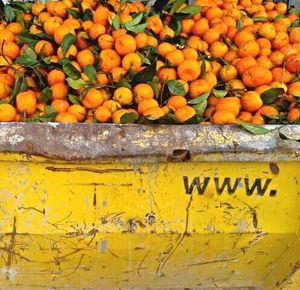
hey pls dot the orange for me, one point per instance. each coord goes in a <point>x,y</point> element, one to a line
<point>72,51</point>
<point>165,48</point>
<point>85,57</point>
<point>7,113</point>
<point>7,79</point>
<point>227,73</point>
<point>93,99</point>
<point>195,42</point>
<point>251,101</point>
<point>154,113</point>
<point>264,62</point>
<point>267,30</point>
<point>112,105</point>
<point>184,114</point>
<point>211,78</point>
<point>101,15</point>
<point>211,35</point>
<point>60,106</point>
<point>190,53</point>
<point>6,36</point>
<point>218,49</point>
<point>78,111</point>
<point>43,16</point>
<point>199,87</point>
<point>281,8</point>
<point>268,111</point>
<point>106,41</point>
<point>256,75</point>
<point>213,12</point>
<point>10,50</point>
<point>60,33</point>
<point>142,92</point>
<point>176,102</point>
<point>60,9</point>
<point>154,24</point>
<point>230,104</point>
<point>125,44</point>
<point>96,30</point>
<point>244,63</point>
<point>280,40</point>
<point>44,46</point>
<point>72,23</point>
<point>277,58</point>
<point>51,24</point>
<point>243,36</point>
<point>141,40</point>
<point>281,75</point>
<point>175,57</point>
<point>186,26</point>
<point>117,115</point>
<point>295,35</point>
<point>4,89</point>
<point>245,117</point>
<point>200,27</point>
<point>292,116</point>
<point>166,74</point>
<point>65,118</point>
<point>223,117</point>
<point>26,102</point>
<point>55,76</point>
<point>109,59</point>
<point>249,48</point>
<point>102,114</point>
<point>117,73</point>
<point>166,32</point>
<point>293,63</point>
<point>132,61</point>
<point>146,104</point>
<point>59,91</point>
<point>123,95</point>
<point>189,70</point>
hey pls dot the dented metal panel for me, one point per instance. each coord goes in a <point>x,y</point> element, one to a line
<point>108,207</point>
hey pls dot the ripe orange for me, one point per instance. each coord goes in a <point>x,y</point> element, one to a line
<point>146,104</point>
<point>78,111</point>
<point>4,89</point>
<point>211,35</point>
<point>96,30</point>
<point>7,113</point>
<point>65,118</point>
<point>60,106</point>
<point>176,102</point>
<point>93,99</point>
<point>102,114</point>
<point>59,91</point>
<point>85,57</point>
<point>166,74</point>
<point>61,32</point>
<point>125,44</point>
<point>251,101</point>
<point>132,61</point>
<point>183,114</point>
<point>109,59</point>
<point>230,104</point>
<point>123,95</point>
<point>199,87</point>
<point>142,92</point>
<point>55,76</point>
<point>256,75</point>
<point>293,63</point>
<point>189,70</point>
<point>223,117</point>
<point>106,41</point>
<point>44,46</point>
<point>26,102</point>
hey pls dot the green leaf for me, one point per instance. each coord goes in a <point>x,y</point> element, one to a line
<point>26,38</point>
<point>176,25</point>
<point>239,25</point>
<point>176,88</point>
<point>144,59</point>
<point>200,99</point>
<point>49,114</point>
<point>220,93</point>
<point>136,28</point>
<point>73,99</point>
<point>269,96</point>
<point>296,11</point>
<point>145,75</point>
<point>200,108</point>
<point>254,129</point>
<point>76,84</point>
<point>28,58</point>
<point>73,13</point>
<point>176,5</point>
<point>71,71</point>
<point>203,69</point>
<point>20,85</point>
<point>190,11</point>
<point>90,71</point>
<point>45,95</point>
<point>9,14</point>
<point>68,40</point>
<point>278,17</point>
<point>259,19</point>
<point>297,122</point>
<point>295,23</point>
<point>123,83</point>
<point>115,22</point>
<point>136,20</point>
<point>129,118</point>
<point>154,86</point>
<point>87,15</point>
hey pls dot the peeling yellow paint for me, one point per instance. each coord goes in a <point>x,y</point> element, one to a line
<point>145,225</point>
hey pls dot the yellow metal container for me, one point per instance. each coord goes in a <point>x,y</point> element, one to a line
<point>105,207</point>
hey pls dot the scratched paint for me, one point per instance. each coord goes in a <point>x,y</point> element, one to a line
<point>149,225</point>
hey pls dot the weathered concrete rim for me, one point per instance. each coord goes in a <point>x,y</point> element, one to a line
<point>96,143</point>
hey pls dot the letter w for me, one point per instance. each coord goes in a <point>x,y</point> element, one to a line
<point>226,184</point>
<point>257,186</point>
<point>201,187</point>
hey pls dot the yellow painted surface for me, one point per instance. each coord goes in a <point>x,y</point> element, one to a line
<point>145,226</point>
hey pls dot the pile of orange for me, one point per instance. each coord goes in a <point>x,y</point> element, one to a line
<point>218,61</point>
